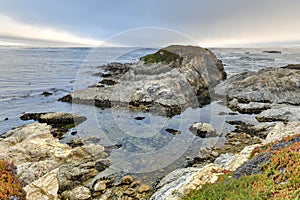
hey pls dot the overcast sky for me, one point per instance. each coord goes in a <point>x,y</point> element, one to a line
<point>205,22</point>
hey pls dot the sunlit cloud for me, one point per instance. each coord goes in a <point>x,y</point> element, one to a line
<point>13,29</point>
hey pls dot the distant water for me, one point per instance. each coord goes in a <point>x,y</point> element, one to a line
<point>239,60</point>
<point>25,73</point>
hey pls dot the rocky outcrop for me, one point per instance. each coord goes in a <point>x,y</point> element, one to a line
<point>270,85</point>
<point>273,93</point>
<point>281,130</point>
<point>60,122</point>
<point>281,112</point>
<point>45,166</point>
<point>166,82</point>
<point>181,182</point>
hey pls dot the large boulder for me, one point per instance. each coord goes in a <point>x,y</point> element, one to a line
<point>166,82</point>
<point>46,167</point>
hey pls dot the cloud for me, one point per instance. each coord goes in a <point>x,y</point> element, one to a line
<point>21,33</point>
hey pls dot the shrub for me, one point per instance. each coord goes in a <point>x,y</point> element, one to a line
<point>10,187</point>
<point>279,179</point>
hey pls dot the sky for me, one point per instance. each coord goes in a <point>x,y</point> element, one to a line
<point>208,23</point>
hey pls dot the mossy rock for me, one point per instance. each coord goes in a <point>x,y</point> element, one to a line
<point>162,56</point>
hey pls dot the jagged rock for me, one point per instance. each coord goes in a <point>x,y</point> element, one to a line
<point>166,82</point>
<point>203,130</point>
<point>44,188</point>
<point>253,92</point>
<point>224,159</point>
<point>248,108</point>
<point>281,130</point>
<point>36,153</point>
<point>240,158</point>
<point>78,193</point>
<point>280,112</point>
<point>181,182</point>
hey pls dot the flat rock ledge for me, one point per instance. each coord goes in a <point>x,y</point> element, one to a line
<point>166,82</point>
<point>272,93</point>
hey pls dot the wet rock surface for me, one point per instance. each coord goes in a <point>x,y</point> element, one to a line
<point>60,122</point>
<point>203,130</point>
<point>54,119</point>
<point>166,82</point>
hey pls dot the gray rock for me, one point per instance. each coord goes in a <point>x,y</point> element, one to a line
<point>166,82</point>
<point>224,159</point>
<point>280,112</point>
<point>181,182</point>
<point>203,130</point>
<point>248,108</point>
<point>272,85</point>
<point>54,118</point>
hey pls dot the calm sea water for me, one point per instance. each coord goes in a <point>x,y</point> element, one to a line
<point>25,73</point>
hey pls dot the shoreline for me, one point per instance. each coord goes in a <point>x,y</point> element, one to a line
<point>236,142</point>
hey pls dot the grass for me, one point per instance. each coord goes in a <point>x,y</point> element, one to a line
<point>162,56</point>
<point>280,180</point>
<point>9,184</point>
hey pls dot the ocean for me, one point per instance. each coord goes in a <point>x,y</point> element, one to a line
<point>25,73</point>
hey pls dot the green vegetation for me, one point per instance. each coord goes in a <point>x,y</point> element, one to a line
<point>280,179</point>
<point>163,56</point>
<point>9,184</point>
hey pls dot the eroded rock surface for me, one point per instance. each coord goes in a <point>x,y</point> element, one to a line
<point>166,82</point>
<point>45,166</point>
<point>272,93</point>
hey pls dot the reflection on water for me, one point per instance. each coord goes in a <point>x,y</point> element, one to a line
<point>146,147</point>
